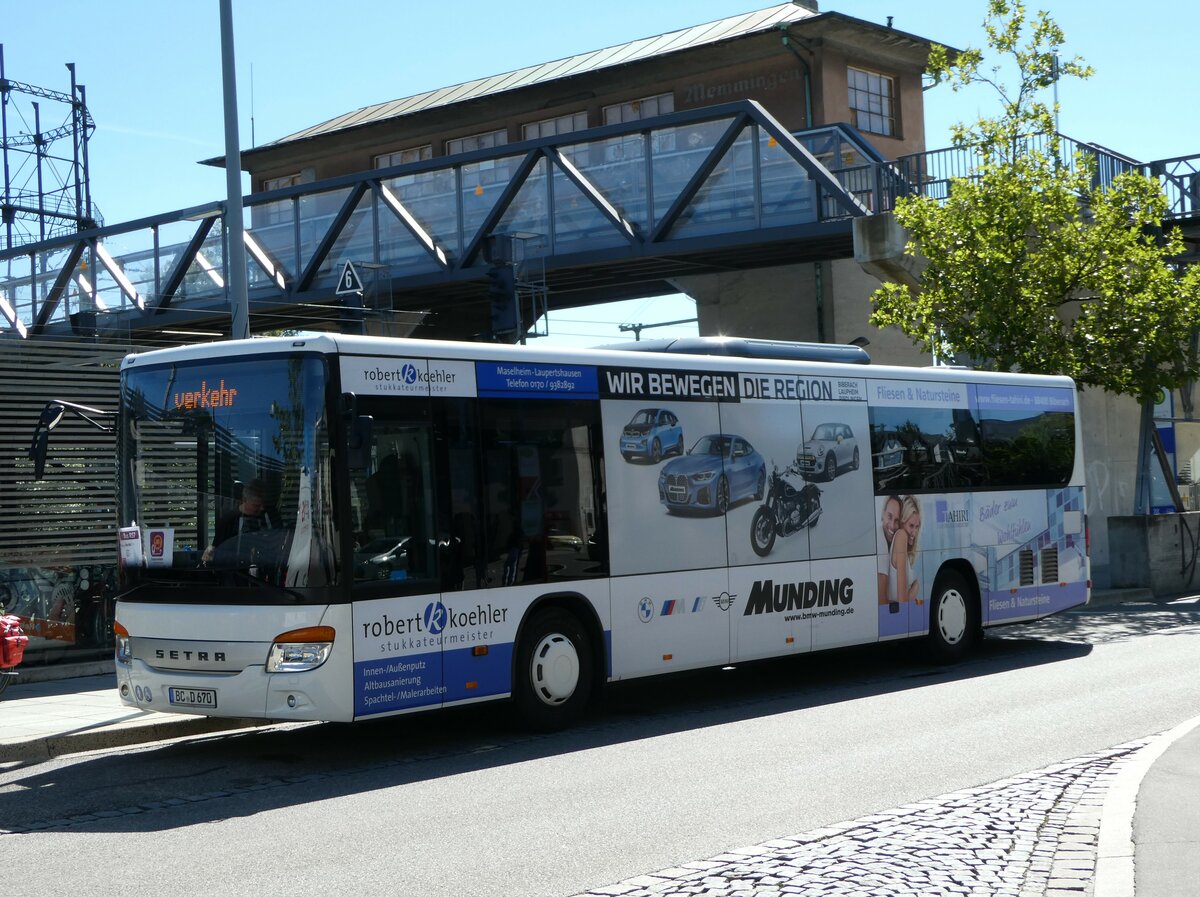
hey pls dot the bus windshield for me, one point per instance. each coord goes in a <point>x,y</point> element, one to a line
<point>226,478</point>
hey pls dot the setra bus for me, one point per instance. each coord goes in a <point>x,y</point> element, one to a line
<point>344,527</point>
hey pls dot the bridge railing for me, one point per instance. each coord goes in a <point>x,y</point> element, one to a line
<point>1180,179</point>
<point>932,173</point>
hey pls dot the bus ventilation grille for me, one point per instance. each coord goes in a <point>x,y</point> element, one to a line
<point>1050,564</point>
<point>1026,567</point>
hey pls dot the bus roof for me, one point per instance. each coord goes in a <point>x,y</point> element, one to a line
<point>724,352</point>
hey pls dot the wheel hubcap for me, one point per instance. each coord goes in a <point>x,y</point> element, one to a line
<point>952,616</point>
<point>554,669</point>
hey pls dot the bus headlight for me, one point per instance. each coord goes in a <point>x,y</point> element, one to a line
<point>123,653</point>
<point>300,650</point>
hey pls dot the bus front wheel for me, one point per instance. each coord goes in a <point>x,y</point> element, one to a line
<point>554,670</point>
<point>953,618</point>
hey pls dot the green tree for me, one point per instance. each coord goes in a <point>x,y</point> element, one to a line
<point>1031,265</point>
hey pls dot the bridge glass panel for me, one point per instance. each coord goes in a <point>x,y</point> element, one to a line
<point>726,201</point>
<point>482,184</point>
<point>400,248</point>
<point>47,265</point>
<point>355,242</point>
<point>17,290</point>
<point>133,253</point>
<point>317,211</point>
<point>578,224</point>
<point>430,197</point>
<point>529,212</point>
<point>789,195</point>
<point>205,276</point>
<point>677,154</point>
<point>617,168</point>
<point>273,225</point>
<point>106,295</point>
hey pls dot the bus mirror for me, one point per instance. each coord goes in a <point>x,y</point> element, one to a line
<point>359,429</point>
<point>50,417</point>
<point>52,414</point>
<point>358,441</point>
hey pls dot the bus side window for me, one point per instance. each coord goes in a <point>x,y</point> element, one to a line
<point>540,487</point>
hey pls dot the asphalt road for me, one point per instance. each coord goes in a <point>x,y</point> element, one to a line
<point>663,773</point>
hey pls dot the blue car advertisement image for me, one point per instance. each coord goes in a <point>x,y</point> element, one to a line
<point>684,532</point>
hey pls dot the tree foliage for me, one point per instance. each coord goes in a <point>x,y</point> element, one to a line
<point>1033,264</point>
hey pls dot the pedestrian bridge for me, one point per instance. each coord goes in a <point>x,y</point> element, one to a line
<point>587,217</point>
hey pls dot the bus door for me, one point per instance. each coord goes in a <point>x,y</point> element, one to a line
<point>399,616</point>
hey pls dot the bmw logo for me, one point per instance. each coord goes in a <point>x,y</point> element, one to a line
<point>645,610</point>
<point>409,373</point>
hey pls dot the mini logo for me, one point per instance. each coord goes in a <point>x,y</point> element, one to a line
<point>435,617</point>
<point>645,610</point>
<point>409,373</point>
<point>724,600</point>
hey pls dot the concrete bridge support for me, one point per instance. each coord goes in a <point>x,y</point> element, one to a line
<point>815,301</point>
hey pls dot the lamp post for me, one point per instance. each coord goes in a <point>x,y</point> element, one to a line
<point>239,301</point>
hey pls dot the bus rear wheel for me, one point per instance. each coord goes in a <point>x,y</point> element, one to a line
<point>554,671</point>
<point>953,618</point>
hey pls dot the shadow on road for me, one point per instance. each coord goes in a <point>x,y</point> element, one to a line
<point>175,784</point>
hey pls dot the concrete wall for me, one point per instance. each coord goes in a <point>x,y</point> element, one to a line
<point>1110,445</point>
<point>1156,552</point>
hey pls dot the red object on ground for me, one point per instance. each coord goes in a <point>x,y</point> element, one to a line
<point>12,641</point>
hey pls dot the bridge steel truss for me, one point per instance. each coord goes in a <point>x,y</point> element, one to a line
<point>616,210</point>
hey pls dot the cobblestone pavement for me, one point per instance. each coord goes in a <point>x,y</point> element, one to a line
<point>1033,835</point>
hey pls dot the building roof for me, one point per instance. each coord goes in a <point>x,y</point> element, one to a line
<point>633,51</point>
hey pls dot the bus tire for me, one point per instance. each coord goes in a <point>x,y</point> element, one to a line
<point>554,671</point>
<point>953,618</point>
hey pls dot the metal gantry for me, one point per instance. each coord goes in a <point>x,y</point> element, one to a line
<point>46,185</point>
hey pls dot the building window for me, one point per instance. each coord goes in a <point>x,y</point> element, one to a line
<point>477,142</point>
<point>404,156</point>
<point>872,102</point>
<point>632,146</point>
<point>549,127</point>
<point>275,212</point>
<point>288,180</point>
<point>635,110</point>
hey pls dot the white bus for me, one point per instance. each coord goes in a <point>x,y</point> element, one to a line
<point>342,528</point>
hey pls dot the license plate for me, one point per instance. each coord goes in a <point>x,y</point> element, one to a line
<point>192,697</point>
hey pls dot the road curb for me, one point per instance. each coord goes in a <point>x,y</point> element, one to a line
<point>36,750</point>
<point>1115,851</point>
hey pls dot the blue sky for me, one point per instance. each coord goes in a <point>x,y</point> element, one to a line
<point>152,69</point>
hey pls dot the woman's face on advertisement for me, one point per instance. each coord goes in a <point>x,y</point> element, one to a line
<point>912,525</point>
